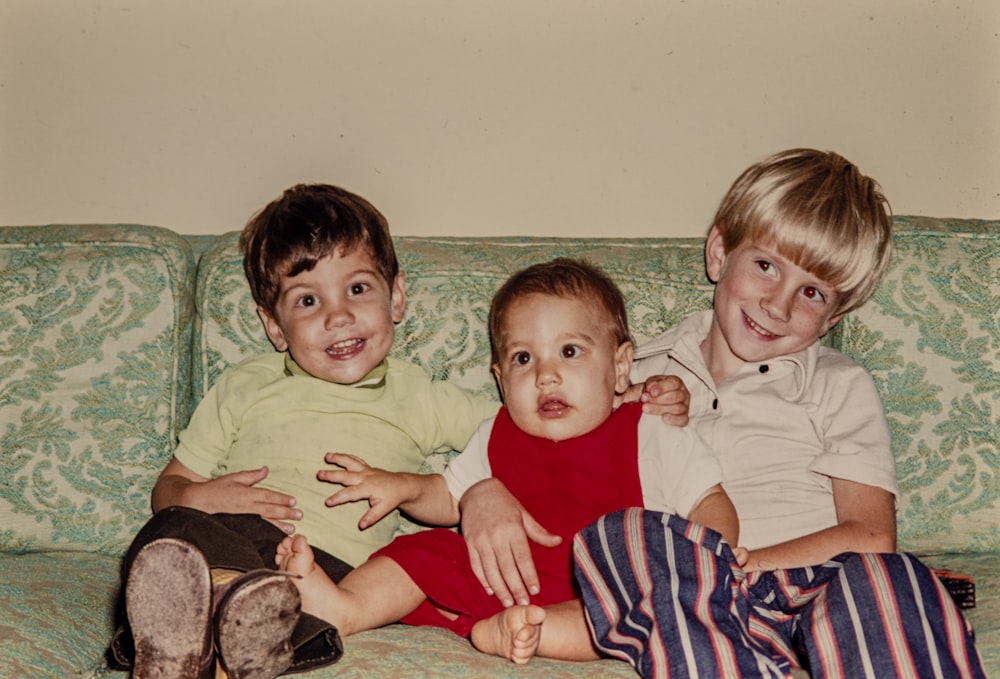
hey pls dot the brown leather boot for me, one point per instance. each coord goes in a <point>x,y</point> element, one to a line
<point>255,616</point>
<point>168,597</point>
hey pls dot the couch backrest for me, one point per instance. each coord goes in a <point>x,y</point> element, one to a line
<point>931,339</point>
<point>94,337</point>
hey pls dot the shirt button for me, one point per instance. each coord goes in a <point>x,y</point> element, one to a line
<point>763,369</point>
<point>715,404</point>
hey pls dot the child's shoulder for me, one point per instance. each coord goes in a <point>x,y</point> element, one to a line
<point>830,360</point>
<point>254,371</point>
<point>270,362</point>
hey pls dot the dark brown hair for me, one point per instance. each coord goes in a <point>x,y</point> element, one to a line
<point>561,277</point>
<point>302,226</point>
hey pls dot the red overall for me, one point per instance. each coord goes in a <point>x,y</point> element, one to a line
<point>566,485</point>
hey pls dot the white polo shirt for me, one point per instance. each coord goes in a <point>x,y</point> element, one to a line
<point>781,430</point>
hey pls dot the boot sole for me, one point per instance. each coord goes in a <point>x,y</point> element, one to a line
<point>169,602</point>
<point>254,625</point>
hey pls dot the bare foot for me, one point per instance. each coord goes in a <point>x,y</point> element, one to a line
<point>513,633</point>
<point>315,587</point>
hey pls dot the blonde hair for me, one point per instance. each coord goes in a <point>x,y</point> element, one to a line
<point>819,211</point>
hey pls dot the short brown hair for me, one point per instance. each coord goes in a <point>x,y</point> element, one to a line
<point>302,226</point>
<point>818,210</point>
<point>560,277</point>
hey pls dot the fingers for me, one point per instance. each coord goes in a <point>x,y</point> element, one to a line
<point>351,470</point>
<point>499,575</point>
<point>345,495</point>
<point>668,397</point>
<point>537,533</point>
<point>351,463</point>
<point>666,390</point>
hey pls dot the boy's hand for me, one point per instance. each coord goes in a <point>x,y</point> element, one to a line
<point>383,490</point>
<point>234,493</point>
<point>666,396</point>
<point>497,529</point>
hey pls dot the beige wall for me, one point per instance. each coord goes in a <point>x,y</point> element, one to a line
<point>468,117</point>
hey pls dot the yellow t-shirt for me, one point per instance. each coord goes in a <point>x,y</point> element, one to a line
<point>259,413</point>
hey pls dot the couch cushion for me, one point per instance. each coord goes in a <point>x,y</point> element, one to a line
<point>94,330</point>
<point>931,338</point>
<point>56,613</point>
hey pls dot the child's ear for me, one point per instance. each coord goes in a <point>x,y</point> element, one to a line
<point>623,367</point>
<point>495,369</point>
<point>833,320</point>
<point>397,299</point>
<point>715,254</point>
<point>273,329</point>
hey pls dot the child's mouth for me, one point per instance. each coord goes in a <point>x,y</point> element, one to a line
<point>760,330</point>
<point>553,408</point>
<point>345,349</point>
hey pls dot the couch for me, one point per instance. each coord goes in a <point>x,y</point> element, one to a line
<point>109,335</point>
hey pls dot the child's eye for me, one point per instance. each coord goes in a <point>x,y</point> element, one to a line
<point>358,288</point>
<point>571,351</point>
<point>765,266</point>
<point>521,358</point>
<point>813,293</point>
<point>307,300</point>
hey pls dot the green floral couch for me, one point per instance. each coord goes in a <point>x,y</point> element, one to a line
<point>109,335</point>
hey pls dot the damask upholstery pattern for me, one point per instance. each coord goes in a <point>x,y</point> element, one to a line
<point>931,339</point>
<point>94,335</point>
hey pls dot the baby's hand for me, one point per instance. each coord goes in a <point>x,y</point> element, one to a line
<point>383,490</point>
<point>742,556</point>
<point>666,396</point>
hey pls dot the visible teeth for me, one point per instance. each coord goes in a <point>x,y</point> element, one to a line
<point>758,328</point>
<point>346,344</point>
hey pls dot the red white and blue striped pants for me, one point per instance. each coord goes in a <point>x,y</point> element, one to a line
<point>666,595</point>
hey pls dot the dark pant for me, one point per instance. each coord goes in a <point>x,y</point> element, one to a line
<point>242,542</point>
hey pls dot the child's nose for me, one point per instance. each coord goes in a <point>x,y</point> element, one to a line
<point>338,315</point>
<point>546,374</point>
<point>778,304</point>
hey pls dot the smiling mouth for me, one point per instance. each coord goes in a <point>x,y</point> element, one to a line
<point>345,348</point>
<point>760,330</point>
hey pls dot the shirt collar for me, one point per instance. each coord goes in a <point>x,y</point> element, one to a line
<point>373,380</point>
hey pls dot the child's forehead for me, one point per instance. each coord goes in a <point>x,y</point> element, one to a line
<point>579,314</point>
<point>341,260</point>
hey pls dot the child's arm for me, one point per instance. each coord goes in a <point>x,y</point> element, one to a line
<point>715,510</point>
<point>234,493</point>
<point>866,522</point>
<point>425,497</point>
<point>663,395</point>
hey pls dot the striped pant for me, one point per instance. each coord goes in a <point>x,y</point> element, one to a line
<point>666,595</point>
